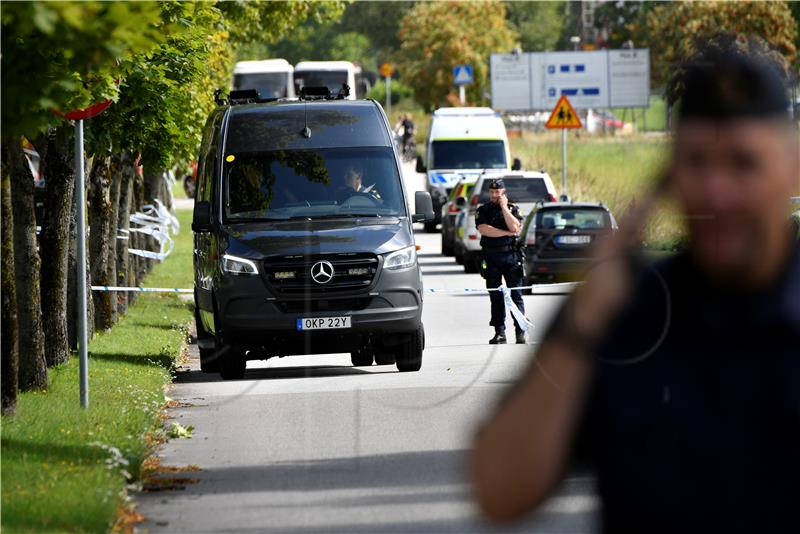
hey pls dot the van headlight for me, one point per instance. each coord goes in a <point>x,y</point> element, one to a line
<point>237,265</point>
<point>401,259</point>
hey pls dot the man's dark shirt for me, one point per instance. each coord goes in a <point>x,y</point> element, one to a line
<point>492,214</point>
<point>693,419</point>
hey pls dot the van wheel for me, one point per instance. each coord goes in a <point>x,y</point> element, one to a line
<point>233,365</point>
<point>209,363</point>
<point>361,358</point>
<point>430,227</point>
<point>384,357</point>
<point>409,354</point>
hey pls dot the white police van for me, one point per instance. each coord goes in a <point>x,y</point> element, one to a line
<point>462,142</point>
<point>272,78</point>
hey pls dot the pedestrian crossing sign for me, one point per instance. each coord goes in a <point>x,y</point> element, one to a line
<point>563,116</point>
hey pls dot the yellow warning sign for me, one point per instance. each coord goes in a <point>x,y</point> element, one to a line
<point>563,115</point>
<point>386,70</point>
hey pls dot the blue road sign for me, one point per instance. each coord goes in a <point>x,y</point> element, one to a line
<point>462,75</point>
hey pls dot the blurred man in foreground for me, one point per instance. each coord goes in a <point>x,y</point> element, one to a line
<point>679,383</point>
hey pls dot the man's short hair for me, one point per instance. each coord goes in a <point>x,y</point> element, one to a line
<point>726,79</point>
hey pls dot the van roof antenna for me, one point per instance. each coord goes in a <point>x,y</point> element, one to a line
<point>306,130</point>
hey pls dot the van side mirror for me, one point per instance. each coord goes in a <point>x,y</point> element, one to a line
<point>421,165</point>
<point>201,218</point>
<point>516,165</point>
<point>423,207</point>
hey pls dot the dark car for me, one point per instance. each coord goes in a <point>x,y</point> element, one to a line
<point>456,203</point>
<point>303,239</point>
<point>558,236</point>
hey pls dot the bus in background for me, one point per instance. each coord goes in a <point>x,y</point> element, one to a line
<point>272,78</point>
<point>331,74</point>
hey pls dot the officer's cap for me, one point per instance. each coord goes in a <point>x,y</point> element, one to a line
<point>725,81</point>
<point>497,184</point>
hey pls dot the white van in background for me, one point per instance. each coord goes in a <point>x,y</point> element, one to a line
<point>462,142</point>
<point>272,78</point>
<point>330,74</point>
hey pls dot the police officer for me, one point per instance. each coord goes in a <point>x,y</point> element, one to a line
<point>679,383</point>
<point>498,221</point>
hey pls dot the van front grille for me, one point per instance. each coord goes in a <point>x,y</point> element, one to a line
<point>339,273</point>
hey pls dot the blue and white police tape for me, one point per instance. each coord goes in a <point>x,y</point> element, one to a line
<point>143,289</point>
<point>542,289</point>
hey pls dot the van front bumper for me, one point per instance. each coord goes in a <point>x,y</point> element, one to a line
<point>253,319</point>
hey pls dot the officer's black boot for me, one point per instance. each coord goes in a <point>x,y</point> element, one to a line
<point>520,336</point>
<point>499,337</point>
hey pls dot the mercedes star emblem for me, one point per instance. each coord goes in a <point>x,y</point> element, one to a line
<point>322,272</point>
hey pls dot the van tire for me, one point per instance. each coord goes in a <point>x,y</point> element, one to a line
<point>385,357</point>
<point>361,358</point>
<point>233,365</point>
<point>409,354</point>
<point>209,363</point>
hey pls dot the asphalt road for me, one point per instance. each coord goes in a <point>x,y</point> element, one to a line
<point>311,444</point>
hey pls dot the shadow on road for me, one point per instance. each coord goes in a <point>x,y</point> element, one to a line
<point>281,373</point>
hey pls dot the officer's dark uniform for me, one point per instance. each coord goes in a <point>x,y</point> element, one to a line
<point>692,421</point>
<point>502,261</point>
<point>694,406</point>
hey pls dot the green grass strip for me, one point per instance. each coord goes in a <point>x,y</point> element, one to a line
<point>64,469</point>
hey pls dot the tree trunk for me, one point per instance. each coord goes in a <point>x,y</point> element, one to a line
<point>32,365</point>
<point>113,230</point>
<point>59,172</point>
<point>123,223</point>
<point>99,223</point>
<point>9,343</point>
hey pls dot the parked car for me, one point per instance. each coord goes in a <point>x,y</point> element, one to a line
<point>457,202</point>
<point>557,239</point>
<point>462,142</point>
<point>525,189</point>
<point>303,237</point>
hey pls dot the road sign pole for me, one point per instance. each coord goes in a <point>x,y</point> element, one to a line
<point>389,96</point>
<point>564,161</point>
<point>80,218</point>
<point>462,94</point>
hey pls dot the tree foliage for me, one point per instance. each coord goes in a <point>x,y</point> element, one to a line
<point>539,24</point>
<point>63,55</point>
<point>673,30</point>
<point>437,36</point>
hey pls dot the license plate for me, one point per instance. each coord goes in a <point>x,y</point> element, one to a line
<point>574,239</point>
<point>323,323</point>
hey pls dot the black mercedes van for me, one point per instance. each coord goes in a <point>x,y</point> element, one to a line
<point>303,240</point>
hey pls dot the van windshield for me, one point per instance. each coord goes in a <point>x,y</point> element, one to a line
<point>268,84</point>
<point>332,79</point>
<point>468,154</point>
<point>519,190</point>
<point>318,183</point>
<point>577,218</point>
